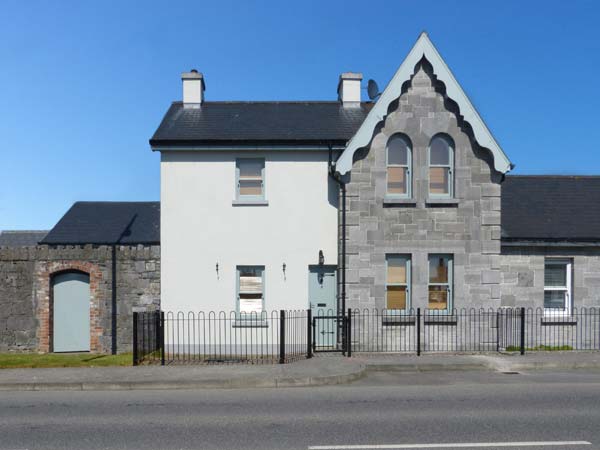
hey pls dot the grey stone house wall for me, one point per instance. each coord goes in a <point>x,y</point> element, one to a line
<point>25,278</point>
<point>469,230</point>
<point>522,281</point>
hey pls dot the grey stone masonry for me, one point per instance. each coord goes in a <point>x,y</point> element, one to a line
<point>522,271</point>
<point>468,229</point>
<point>25,292</point>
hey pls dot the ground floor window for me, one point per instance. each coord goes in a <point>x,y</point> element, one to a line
<point>397,282</point>
<point>440,282</point>
<point>250,292</point>
<point>557,286</point>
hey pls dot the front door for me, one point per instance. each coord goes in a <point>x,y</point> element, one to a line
<point>323,303</point>
<point>71,317</point>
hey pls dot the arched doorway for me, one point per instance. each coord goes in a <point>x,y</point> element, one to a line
<point>71,312</point>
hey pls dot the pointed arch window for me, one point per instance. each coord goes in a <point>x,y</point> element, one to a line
<point>399,166</point>
<point>441,166</point>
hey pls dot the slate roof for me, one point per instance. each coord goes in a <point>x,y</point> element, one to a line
<point>21,238</point>
<point>295,123</point>
<point>551,207</point>
<point>107,223</point>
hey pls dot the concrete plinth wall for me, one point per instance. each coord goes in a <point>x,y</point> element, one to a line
<point>26,292</point>
<point>469,229</point>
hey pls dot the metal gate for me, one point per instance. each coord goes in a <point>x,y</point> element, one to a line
<point>329,333</point>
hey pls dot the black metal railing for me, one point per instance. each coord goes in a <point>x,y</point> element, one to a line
<point>148,337</point>
<point>223,338</point>
<point>284,336</point>
<point>473,330</point>
<point>528,329</point>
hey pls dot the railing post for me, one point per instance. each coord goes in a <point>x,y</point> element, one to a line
<point>349,333</point>
<point>162,338</point>
<point>309,333</point>
<point>156,332</point>
<point>314,334</point>
<point>135,339</point>
<point>522,330</point>
<point>498,330</point>
<point>418,331</point>
<point>282,336</point>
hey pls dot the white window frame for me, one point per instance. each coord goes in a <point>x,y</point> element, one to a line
<point>249,198</point>
<point>407,261</point>
<point>568,289</point>
<point>242,318</point>
<point>407,166</point>
<point>449,285</point>
<point>449,166</point>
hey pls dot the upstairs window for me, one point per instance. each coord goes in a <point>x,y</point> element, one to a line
<point>250,179</point>
<point>399,160</point>
<point>441,167</point>
<point>557,286</point>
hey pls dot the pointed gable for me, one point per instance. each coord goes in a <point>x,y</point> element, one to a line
<point>423,49</point>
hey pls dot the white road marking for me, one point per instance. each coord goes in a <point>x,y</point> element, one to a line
<point>453,445</point>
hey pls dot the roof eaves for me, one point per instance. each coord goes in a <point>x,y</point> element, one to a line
<point>247,144</point>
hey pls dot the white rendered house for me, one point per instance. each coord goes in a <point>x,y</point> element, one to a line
<point>249,218</point>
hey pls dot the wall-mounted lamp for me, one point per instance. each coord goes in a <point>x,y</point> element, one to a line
<point>321,258</point>
<point>217,269</point>
<point>283,267</point>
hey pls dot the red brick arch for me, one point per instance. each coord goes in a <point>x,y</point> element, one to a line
<point>45,273</point>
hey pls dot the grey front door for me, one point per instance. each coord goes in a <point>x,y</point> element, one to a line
<point>323,303</point>
<point>71,315</point>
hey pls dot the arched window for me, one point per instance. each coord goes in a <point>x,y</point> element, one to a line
<point>441,166</point>
<point>399,161</point>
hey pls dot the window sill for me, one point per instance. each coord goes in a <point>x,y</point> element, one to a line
<point>399,201</point>
<point>250,324</point>
<point>440,319</point>
<point>441,202</point>
<point>396,320</point>
<point>250,203</point>
<point>558,319</point>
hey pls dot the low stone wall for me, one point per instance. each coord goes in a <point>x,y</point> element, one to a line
<point>25,292</point>
<point>18,324</point>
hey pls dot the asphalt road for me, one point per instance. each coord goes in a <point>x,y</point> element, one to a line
<point>384,409</point>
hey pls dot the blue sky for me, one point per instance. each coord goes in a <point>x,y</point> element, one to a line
<point>84,84</point>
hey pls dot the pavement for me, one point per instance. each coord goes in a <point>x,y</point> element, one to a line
<point>318,371</point>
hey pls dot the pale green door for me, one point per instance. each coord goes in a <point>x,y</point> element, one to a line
<point>323,303</point>
<point>71,316</point>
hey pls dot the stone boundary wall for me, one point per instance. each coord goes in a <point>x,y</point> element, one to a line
<point>26,294</point>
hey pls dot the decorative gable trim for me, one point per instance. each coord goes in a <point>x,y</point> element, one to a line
<point>423,49</point>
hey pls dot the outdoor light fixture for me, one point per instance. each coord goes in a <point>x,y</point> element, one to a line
<point>321,258</point>
<point>283,267</point>
<point>217,268</point>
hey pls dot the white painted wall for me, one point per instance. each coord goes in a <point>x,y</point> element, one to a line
<point>200,228</point>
